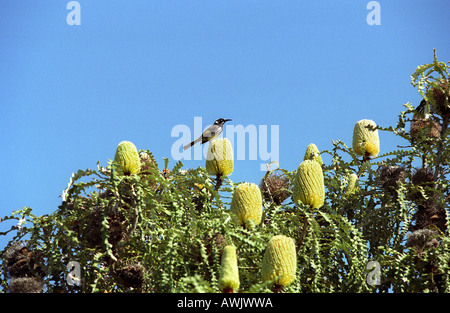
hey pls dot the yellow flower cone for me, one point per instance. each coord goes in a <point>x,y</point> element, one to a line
<point>366,141</point>
<point>309,185</point>
<point>126,159</point>
<point>229,273</point>
<point>246,204</point>
<point>313,153</point>
<point>352,185</point>
<point>280,261</point>
<point>219,159</point>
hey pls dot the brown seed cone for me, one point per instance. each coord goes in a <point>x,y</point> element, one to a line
<point>275,188</point>
<point>441,97</point>
<point>429,128</point>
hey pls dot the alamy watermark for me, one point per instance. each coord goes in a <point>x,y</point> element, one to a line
<point>374,16</point>
<point>74,16</point>
<point>73,277</point>
<point>250,142</point>
<point>374,276</point>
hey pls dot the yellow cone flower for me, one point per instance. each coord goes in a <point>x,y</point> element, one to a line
<point>309,184</point>
<point>313,153</point>
<point>127,160</point>
<point>246,204</point>
<point>366,141</point>
<point>219,159</point>
<point>229,273</point>
<point>280,261</point>
<point>352,185</point>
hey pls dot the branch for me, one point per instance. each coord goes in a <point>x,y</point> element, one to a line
<point>219,181</point>
<point>440,149</point>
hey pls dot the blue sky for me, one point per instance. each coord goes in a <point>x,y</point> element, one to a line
<point>134,70</point>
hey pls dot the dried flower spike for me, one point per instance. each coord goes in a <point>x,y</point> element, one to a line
<point>365,138</point>
<point>127,159</point>
<point>430,129</point>
<point>275,188</point>
<point>229,273</point>
<point>246,204</point>
<point>219,160</point>
<point>280,261</point>
<point>309,184</point>
<point>390,175</point>
<point>439,97</point>
<point>25,285</point>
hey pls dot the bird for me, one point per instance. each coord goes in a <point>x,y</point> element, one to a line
<point>211,133</point>
<point>421,111</point>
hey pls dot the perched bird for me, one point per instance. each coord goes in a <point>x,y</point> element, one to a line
<point>422,111</point>
<point>211,133</point>
<point>422,120</point>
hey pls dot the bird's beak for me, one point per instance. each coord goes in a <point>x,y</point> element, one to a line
<point>226,120</point>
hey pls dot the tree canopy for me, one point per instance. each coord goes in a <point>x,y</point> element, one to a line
<point>381,225</point>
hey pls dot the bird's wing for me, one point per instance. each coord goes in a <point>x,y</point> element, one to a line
<point>208,133</point>
<point>212,132</point>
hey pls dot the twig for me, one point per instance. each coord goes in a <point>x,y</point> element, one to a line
<point>136,213</point>
<point>440,149</point>
<point>219,182</point>
<point>304,231</point>
<point>267,188</point>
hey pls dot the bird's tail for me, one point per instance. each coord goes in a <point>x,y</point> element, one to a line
<point>192,143</point>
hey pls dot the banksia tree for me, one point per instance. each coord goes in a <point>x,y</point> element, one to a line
<point>229,273</point>
<point>313,153</point>
<point>365,138</point>
<point>280,261</point>
<point>309,184</point>
<point>127,160</point>
<point>219,159</point>
<point>246,204</point>
<point>166,229</point>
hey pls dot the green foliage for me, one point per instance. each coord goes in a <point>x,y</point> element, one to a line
<point>163,230</point>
